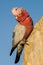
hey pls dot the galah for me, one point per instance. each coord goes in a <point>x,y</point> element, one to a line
<point>21,31</point>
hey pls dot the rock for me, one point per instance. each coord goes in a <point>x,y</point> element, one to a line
<point>33,52</point>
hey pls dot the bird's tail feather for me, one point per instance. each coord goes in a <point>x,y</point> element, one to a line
<point>11,51</point>
<point>13,48</point>
<point>17,58</point>
<point>19,52</point>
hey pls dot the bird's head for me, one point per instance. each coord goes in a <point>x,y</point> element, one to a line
<point>16,11</point>
<point>19,13</point>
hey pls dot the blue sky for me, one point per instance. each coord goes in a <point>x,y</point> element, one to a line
<point>8,22</point>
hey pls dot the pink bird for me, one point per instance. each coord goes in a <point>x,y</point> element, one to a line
<point>21,31</point>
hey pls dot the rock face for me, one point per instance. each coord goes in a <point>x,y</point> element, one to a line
<point>33,52</point>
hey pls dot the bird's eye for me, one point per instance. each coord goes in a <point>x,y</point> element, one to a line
<point>16,8</point>
<point>20,14</point>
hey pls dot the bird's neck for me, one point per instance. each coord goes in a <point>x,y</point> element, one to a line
<point>21,18</point>
<point>25,22</point>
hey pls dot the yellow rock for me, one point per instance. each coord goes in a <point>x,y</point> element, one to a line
<point>33,52</point>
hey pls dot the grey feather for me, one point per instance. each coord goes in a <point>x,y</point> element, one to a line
<point>18,34</point>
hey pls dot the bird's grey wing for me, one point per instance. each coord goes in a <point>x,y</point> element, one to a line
<point>18,34</point>
<point>14,44</point>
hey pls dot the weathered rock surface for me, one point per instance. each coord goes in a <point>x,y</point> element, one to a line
<point>33,52</point>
